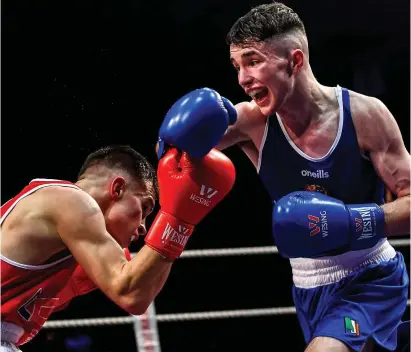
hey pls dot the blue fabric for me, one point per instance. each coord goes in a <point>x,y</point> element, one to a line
<point>375,297</point>
<point>343,174</point>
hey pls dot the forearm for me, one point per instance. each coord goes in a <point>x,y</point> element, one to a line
<point>397,216</point>
<point>161,280</point>
<point>155,271</point>
<point>146,274</point>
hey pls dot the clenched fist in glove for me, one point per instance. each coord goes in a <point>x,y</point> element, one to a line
<point>189,189</point>
<point>196,122</point>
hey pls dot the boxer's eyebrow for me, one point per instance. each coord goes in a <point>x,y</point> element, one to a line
<point>148,197</point>
<point>249,53</point>
<point>245,55</point>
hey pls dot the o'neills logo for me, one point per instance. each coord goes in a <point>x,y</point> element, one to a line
<point>315,174</point>
<point>179,236</point>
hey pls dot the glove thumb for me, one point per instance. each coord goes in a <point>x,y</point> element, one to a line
<point>232,113</point>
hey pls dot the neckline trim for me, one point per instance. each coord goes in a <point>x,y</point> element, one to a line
<point>338,93</point>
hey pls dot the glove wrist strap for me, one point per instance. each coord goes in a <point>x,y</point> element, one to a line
<point>367,224</point>
<point>168,235</point>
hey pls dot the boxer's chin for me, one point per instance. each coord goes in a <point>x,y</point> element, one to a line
<point>268,106</point>
<point>267,111</point>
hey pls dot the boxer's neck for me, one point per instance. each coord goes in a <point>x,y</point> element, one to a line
<point>306,104</point>
<point>93,188</point>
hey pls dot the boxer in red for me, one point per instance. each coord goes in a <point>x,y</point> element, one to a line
<point>62,239</point>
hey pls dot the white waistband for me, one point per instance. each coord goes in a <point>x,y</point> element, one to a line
<point>11,332</point>
<point>309,272</point>
<point>8,347</point>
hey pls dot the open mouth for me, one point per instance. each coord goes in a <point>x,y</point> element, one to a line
<point>260,95</point>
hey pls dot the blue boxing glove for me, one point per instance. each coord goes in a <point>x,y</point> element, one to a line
<point>311,224</point>
<point>196,122</point>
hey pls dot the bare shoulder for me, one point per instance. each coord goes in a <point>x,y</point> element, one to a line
<point>49,200</point>
<point>76,217</point>
<point>30,233</point>
<point>249,114</point>
<point>67,200</point>
<point>54,202</point>
<point>374,123</point>
<point>364,105</point>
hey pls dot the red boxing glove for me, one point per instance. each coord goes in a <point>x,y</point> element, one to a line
<point>189,189</point>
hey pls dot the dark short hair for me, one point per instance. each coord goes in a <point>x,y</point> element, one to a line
<point>125,158</point>
<point>264,22</point>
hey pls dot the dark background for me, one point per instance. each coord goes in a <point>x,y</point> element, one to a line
<point>77,75</point>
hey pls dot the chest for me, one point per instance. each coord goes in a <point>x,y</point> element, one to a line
<point>315,141</point>
<point>318,138</point>
<point>326,160</point>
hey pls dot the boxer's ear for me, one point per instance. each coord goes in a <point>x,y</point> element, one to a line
<point>297,60</point>
<point>117,187</point>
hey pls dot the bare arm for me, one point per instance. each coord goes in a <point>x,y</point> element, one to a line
<point>248,116</point>
<point>392,163</point>
<point>132,285</point>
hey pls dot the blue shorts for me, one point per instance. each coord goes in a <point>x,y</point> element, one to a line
<point>368,303</point>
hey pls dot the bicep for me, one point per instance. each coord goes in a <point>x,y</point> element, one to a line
<point>390,158</point>
<point>82,228</point>
<point>393,166</point>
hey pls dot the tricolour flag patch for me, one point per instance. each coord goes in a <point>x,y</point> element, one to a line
<point>351,326</point>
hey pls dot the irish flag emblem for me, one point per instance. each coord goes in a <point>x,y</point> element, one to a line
<point>351,326</point>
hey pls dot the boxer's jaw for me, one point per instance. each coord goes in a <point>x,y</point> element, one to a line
<point>263,74</point>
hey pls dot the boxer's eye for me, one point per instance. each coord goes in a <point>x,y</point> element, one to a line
<point>148,208</point>
<point>254,63</point>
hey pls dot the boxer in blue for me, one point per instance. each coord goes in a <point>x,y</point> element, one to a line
<point>325,155</point>
<point>350,286</point>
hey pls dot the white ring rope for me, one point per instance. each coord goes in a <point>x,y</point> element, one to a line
<point>256,250</point>
<point>172,317</point>
<point>240,313</point>
<point>200,315</point>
